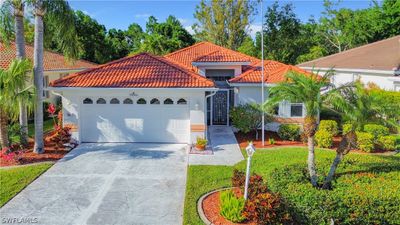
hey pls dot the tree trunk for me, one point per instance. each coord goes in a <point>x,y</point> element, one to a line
<point>4,142</point>
<point>311,162</point>
<point>20,54</point>
<point>332,170</point>
<point>38,77</point>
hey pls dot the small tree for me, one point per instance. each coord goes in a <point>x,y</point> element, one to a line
<point>248,117</point>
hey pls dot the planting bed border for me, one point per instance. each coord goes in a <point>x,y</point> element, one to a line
<point>200,204</point>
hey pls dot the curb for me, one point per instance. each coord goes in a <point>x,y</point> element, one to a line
<point>200,205</point>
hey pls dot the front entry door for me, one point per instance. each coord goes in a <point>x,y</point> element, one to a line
<point>220,108</point>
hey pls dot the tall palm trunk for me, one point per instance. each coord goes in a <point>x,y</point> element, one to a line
<point>310,126</point>
<point>4,142</point>
<point>20,49</point>
<point>38,77</point>
<point>346,144</point>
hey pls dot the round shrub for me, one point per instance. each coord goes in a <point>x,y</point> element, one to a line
<point>247,117</point>
<point>324,139</point>
<point>329,125</point>
<point>346,128</point>
<point>365,141</point>
<point>376,130</point>
<point>387,143</point>
<point>289,132</point>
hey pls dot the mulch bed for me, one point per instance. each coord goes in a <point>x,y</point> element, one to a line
<point>243,140</point>
<point>211,209</point>
<point>51,153</point>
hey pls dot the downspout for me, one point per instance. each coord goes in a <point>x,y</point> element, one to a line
<point>205,103</point>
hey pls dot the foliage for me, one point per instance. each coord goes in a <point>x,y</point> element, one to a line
<point>231,206</point>
<point>323,138</point>
<point>11,154</point>
<point>271,141</point>
<point>248,47</point>
<point>238,178</point>
<point>62,135</point>
<point>201,141</point>
<point>289,132</point>
<point>387,143</point>
<point>376,130</point>
<point>223,22</point>
<point>329,125</point>
<point>15,179</point>
<point>347,127</point>
<point>365,141</point>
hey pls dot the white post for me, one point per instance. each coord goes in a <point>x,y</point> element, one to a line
<point>262,75</point>
<point>246,185</point>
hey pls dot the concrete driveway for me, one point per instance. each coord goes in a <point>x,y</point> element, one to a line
<point>103,184</point>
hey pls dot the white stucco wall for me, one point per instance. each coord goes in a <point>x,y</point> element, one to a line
<point>245,95</point>
<point>72,101</point>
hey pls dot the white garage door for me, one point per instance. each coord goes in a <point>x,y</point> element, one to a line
<point>135,120</point>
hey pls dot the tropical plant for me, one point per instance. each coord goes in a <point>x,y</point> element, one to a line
<point>329,125</point>
<point>231,206</point>
<point>323,138</point>
<point>387,143</point>
<point>289,132</point>
<point>13,90</point>
<point>305,88</point>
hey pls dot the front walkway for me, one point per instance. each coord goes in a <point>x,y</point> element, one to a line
<point>225,147</point>
<point>106,184</point>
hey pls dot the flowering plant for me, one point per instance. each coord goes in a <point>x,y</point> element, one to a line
<point>9,154</point>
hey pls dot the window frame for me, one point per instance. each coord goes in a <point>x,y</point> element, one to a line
<point>91,101</point>
<point>169,99</point>
<point>296,104</point>
<point>129,99</point>
<point>99,99</point>
<point>156,101</point>
<point>179,100</point>
<point>145,101</point>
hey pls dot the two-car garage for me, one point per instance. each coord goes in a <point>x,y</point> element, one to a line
<point>116,119</point>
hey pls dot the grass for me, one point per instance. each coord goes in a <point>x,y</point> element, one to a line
<point>12,181</point>
<point>202,179</point>
<point>48,125</point>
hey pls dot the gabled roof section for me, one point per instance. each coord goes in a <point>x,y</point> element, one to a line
<point>274,72</point>
<point>208,52</point>
<point>51,60</point>
<point>138,71</point>
<point>380,55</point>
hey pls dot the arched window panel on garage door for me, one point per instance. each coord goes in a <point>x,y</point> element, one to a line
<point>87,101</point>
<point>168,101</point>
<point>128,101</point>
<point>141,101</point>
<point>114,101</point>
<point>182,101</point>
<point>101,101</point>
<point>155,101</point>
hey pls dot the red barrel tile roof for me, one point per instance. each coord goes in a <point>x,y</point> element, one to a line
<point>139,71</point>
<point>52,60</point>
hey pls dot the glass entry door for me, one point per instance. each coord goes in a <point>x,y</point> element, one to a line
<point>220,108</point>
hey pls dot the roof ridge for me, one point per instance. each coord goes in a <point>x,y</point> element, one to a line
<point>350,50</point>
<point>185,48</point>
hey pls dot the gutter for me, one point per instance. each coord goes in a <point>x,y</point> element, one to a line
<point>120,89</point>
<point>205,106</point>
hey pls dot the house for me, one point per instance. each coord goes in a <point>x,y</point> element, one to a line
<point>55,65</point>
<point>378,62</point>
<point>169,99</point>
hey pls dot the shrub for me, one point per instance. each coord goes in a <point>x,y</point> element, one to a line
<point>323,138</point>
<point>238,178</point>
<point>247,117</point>
<point>289,132</point>
<point>346,128</point>
<point>256,183</point>
<point>329,125</point>
<point>376,130</point>
<point>271,141</point>
<point>231,206</point>
<point>387,143</point>
<point>266,208</point>
<point>365,141</point>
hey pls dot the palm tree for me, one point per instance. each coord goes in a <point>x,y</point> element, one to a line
<point>357,107</point>
<point>59,13</point>
<point>306,89</point>
<point>13,90</point>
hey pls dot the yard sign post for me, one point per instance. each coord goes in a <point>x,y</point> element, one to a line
<point>262,76</point>
<point>250,151</point>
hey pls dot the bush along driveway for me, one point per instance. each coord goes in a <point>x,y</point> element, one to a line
<point>366,189</point>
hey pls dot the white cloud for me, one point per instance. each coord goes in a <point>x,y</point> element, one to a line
<point>142,15</point>
<point>253,29</point>
<point>189,29</point>
<point>183,21</point>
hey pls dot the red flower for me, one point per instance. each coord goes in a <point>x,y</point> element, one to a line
<point>51,109</point>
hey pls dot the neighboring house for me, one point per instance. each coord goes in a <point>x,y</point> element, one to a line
<point>55,65</point>
<point>172,98</point>
<point>378,63</point>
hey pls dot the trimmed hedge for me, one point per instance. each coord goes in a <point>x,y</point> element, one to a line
<point>346,128</point>
<point>289,132</point>
<point>329,125</point>
<point>387,143</point>
<point>324,139</point>
<point>365,141</point>
<point>376,130</point>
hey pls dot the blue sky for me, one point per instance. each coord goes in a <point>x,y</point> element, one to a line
<point>119,14</point>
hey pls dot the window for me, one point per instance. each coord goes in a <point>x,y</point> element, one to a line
<point>154,101</point>
<point>101,101</point>
<point>182,102</point>
<point>296,110</point>
<point>87,101</point>
<point>141,101</point>
<point>168,101</point>
<point>114,101</point>
<point>128,101</point>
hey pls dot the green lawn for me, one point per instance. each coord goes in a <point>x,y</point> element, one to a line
<point>12,181</point>
<point>48,125</point>
<point>384,183</point>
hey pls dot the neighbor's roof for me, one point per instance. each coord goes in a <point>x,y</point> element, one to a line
<point>138,71</point>
<point>380,55</point>
<point>208,52</point>
<point>51,60</point>
<point>274,72</point>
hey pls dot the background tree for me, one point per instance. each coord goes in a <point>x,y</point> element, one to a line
<point>248,47</point>
<point>135,36</point>
<point>166,37</point>
<point>119,45</point>
<point>224,23</point>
